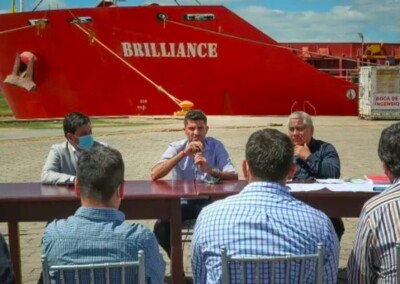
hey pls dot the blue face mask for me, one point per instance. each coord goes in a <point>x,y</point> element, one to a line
<point>86,142</point>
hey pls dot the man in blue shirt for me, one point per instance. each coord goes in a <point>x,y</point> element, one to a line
<point>315,159</point>
<point>195,158</point>
<point>264,218</point>
<point>98,233</point>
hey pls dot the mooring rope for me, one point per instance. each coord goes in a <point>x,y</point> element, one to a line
<point>93,38</point>
<point>262,43</point>
<point>16,29</point>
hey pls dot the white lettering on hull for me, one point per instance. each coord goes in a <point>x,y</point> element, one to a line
<point>171,49</point>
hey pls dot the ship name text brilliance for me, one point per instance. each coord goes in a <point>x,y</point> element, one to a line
<point>171,49</point>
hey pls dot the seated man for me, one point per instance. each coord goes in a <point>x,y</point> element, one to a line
<point>264,218</point>
<point>315,159</point>
<point>61,163</point>
<point>373,257</point>
<point>98,233</point>
<point>6,270</point>
<point>195,158</point>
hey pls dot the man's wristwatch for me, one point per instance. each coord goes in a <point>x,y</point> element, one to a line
<point>216,173</point>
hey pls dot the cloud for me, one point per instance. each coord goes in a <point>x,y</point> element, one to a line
<point>374,19</point>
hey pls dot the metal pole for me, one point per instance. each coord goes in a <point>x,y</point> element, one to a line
<point>21,5</point>
<point>13,6</point>
<point>362,47</point>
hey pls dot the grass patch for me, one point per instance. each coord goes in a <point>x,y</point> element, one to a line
<point>4,109</point>
<point>58,124</point>
<point>9,122</point>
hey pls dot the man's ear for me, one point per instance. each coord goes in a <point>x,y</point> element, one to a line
<point>387,172</point>
<point>76,188</point>
<point>292,170</point>
<point>121,190</point>
<point>69,136</point>
<point>245,169</point>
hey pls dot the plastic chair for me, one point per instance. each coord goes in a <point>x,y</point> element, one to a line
<point>96,273</point>
<point>187,230</point>
<point>272,269</point>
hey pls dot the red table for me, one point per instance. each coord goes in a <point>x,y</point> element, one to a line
<point>29,202</point>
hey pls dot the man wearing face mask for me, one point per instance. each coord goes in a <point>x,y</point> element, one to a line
<point>61,163</point>
<point>315,159</point>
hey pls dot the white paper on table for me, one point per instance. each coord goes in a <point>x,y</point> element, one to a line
<point>338,186</point>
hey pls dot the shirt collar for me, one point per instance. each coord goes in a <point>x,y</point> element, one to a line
<point>394,185</point>
<point>105,214</point>
<point>268,187</point>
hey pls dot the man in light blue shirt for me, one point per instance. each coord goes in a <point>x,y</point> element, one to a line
<point>263,219</point>
<point>98,233</point>
<point>195,158</point>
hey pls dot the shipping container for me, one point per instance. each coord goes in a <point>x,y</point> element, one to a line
<point>379,92</point>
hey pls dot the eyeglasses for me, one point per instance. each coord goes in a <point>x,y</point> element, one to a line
<point>300,128</point>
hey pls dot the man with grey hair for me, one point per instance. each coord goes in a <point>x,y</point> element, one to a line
<point>315,159</point>
<point>98,233</point>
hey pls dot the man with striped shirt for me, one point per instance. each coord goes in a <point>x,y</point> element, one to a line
<point>264,218</point>
<point>373,257</point>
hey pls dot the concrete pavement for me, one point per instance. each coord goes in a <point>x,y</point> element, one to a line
<point>23,153</point>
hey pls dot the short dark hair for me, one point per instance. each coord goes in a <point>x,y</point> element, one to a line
<point>269,154</point>
<point>74,120</point>
<point>195,114</point>
<point>389,148</point>
<point>100,172</point>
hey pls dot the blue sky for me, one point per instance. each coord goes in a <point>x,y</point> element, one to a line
<point>292,20</point>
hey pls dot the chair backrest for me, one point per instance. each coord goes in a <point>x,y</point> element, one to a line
<point>96,273</point>
<point>272,269</point>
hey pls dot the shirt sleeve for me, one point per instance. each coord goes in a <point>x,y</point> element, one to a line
<point>360,266</point>
<point>324,163</point>
<point>331,261</point>
<point>172,150</point>
<point>224,162</point>
<point>198,262</point>
<point>154,263</point>
<point>51,173</point>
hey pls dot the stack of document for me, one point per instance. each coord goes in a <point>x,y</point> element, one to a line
<point>354,185</point>
<point>379,182</point>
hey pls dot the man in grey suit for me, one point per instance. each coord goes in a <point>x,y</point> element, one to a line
<point>61,163</point>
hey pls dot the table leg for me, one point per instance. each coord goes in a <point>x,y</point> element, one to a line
<point>13,234</point>
<point>176,242</point>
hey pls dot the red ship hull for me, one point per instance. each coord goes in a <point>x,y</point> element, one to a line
<point>203,54</point>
